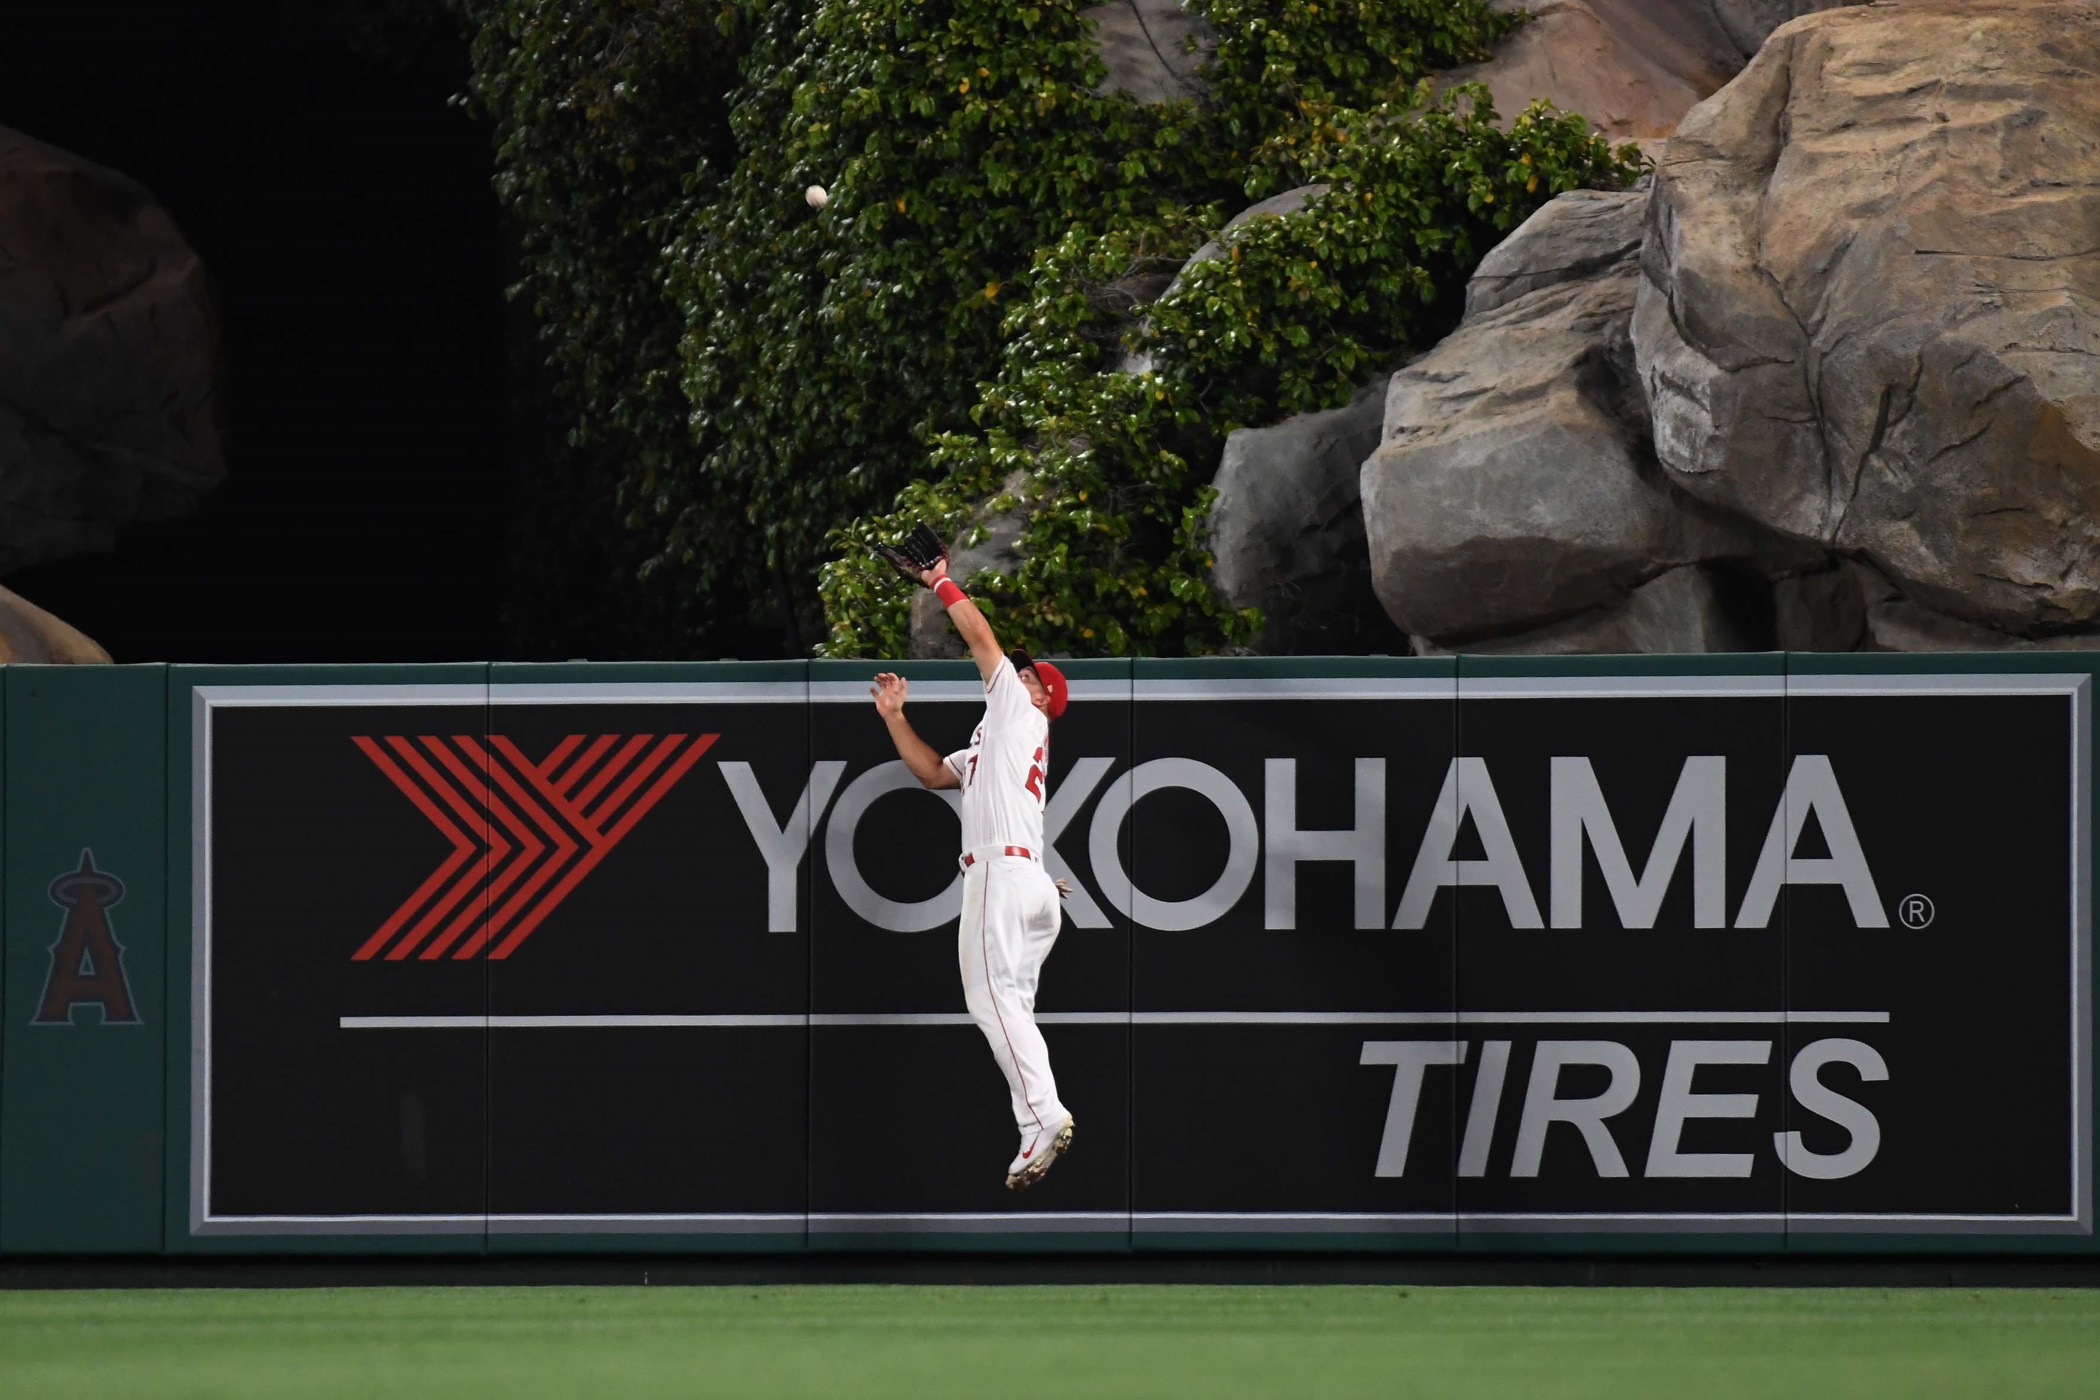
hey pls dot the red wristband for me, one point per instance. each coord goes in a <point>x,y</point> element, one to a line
<point>947,592</point>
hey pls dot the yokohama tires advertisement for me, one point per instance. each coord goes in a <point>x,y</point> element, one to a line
<point>1410,959</point>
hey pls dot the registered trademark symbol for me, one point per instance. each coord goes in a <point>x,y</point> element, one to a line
<point>1915,910</point>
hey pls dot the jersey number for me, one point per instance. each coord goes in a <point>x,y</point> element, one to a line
<point>1035,776</point>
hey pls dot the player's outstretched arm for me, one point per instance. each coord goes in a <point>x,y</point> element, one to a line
<point>970,624</point>
<point>924,559</point>
<point>918,755</point>
<point>974,628</point>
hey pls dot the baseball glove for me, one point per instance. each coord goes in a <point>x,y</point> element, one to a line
<point>921,550</point>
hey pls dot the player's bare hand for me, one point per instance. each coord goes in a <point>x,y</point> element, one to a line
<point>1064,890</point>
<point>888,691</point>
<point>934,575</point>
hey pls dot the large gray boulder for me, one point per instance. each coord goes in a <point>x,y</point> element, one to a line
<point>1893,622</point>
<point>1152,48</point>
<point>1633,67</point>
<point>1513,487</point>
<point>108,358</point>
<point>1287,531</point>
<point>1687,609</point>
<point>28,633</point>
<point>1583,236</point>
<point>1586,56</point>
<point>1738,28</point>
<point>1869,314</point>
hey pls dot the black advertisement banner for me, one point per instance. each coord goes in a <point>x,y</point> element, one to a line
<point>1394,959</point>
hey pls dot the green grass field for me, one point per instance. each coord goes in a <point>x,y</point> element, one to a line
<point>1079,1342</point>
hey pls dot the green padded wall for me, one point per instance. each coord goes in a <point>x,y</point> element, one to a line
<point>81,1119</point>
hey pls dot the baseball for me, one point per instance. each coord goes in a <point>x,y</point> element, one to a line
<point>816,196</point>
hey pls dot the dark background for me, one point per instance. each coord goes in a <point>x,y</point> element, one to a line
<point>342,210</point>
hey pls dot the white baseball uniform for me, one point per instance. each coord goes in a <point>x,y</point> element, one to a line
<point>1010,913</point>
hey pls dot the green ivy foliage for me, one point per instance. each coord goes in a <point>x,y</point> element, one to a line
<point>1292,314</point>
<point>823,348</point>
<point>757,375</point>
<point>1281,65</point>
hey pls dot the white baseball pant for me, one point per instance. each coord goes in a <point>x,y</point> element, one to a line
<point>1010,918</point>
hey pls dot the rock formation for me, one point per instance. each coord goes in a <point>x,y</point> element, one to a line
<point>107,358</point>
<point>28,633</point>
<point>1687,609</point>
<point>1287,531</point>
<point>1869,315</point>
<point>1831,386</point>
<point>1833,383</point>
<point>1514,488</point>
<point>1147,45</point>
<point>1633,67</point>
<point>1584,235</point>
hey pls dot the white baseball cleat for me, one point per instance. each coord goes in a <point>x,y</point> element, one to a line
<point>1038,1153</point>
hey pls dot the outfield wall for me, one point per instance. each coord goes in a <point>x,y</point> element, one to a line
<point>1753,953</point>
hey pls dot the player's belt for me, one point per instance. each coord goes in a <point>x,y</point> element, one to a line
<point>970,858</point>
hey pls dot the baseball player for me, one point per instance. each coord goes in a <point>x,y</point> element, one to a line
<point>1010,912</point>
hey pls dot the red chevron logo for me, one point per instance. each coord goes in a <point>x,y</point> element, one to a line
<point>523,834</point>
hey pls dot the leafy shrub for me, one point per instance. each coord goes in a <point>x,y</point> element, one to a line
<point>823,348</point>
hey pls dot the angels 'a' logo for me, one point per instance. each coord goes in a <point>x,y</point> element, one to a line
<point>524,833</point>
<point>87,962</point>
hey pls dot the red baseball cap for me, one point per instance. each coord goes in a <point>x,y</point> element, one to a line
<point>1053,680</point>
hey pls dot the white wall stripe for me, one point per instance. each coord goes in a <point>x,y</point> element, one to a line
<point>1118,1018</point>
